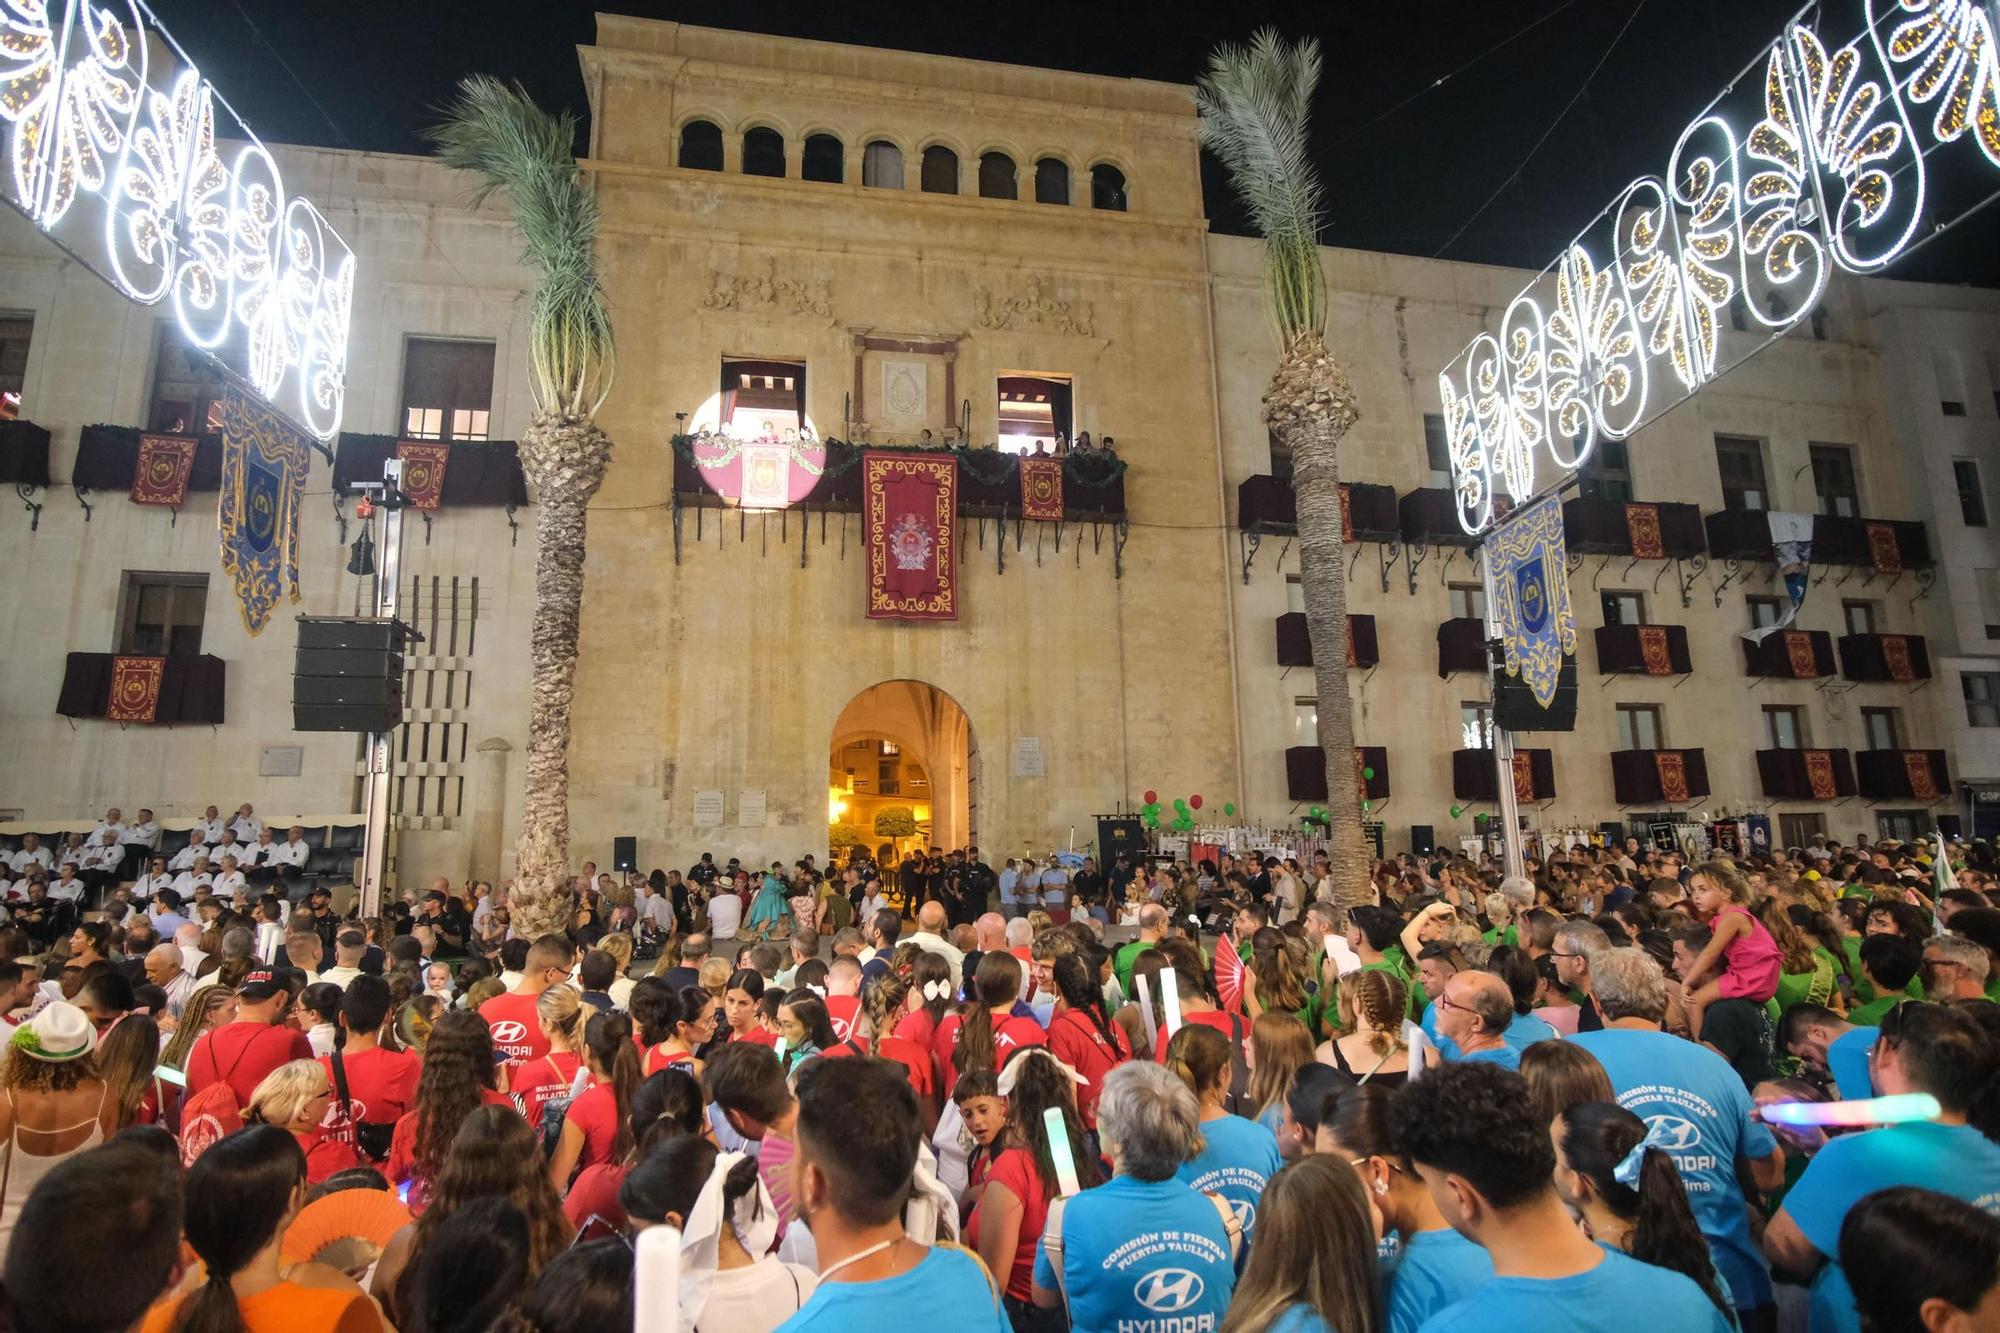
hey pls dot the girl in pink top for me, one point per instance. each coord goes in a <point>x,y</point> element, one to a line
<point>1740,945</point>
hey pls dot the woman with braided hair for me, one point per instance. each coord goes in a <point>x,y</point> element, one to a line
<point>1081,1033</point>
<point>1370,1043</point>
<point>887,1001</point>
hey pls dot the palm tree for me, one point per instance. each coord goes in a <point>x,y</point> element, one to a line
<point>1254,102</point>
<point>517,148</point>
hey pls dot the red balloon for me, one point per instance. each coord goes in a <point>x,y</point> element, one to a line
<point>1151,797</point>
<point>1194,802</point>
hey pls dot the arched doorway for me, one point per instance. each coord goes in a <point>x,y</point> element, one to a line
<point>901,746</point>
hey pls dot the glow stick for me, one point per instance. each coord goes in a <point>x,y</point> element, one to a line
<point>1419,1042</point>
<point>1170,999</point>
<point>779,1047</point>
<point>169,1074</point>
<point>1146,1007</point>
<point>1900,1108</point>
<point>1059,1153</point>
<point>656,1281</point>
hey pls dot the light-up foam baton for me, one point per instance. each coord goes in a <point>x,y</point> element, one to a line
<point>1899,1109</point>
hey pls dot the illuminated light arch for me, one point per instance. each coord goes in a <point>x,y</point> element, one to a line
<point>1833,172</point>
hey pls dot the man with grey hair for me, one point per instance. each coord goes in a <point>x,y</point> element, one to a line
<point>1691,1096</point>
<point>1152,929</point>
<point>1150,1125</point>
<point>1954,968</point>
<point>163,969</point>
<point>1474,1011</point>
<point>1575,948</point>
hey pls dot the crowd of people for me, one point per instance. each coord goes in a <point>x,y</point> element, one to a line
<point>1159,1098</point>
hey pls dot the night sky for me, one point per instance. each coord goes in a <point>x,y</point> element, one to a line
<point>1409,164</point>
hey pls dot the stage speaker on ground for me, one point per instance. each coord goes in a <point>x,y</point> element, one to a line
<point>1423,840</point>
<point>624,853</point>
<point>1515,709</point>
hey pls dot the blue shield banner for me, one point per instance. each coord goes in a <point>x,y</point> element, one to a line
<point>1530,583</point>
<point>264,462</point>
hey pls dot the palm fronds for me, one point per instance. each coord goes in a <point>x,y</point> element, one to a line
<point>1254,103</point>
<point>498,133</point>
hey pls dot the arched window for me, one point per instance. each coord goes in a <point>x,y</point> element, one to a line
<point>882,165</point>
<point>996,177</point>
<point>940,170</point>
<point>1107,187</point>
<point>701,146</point>
<point>824,159</point>
<point>1051,181</point>
<point>763,152</point>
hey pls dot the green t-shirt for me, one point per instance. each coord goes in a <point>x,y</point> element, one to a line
<point>1870,1015</point>
<point>1122,961</point>
<point>1511,937</point>
<point>1818,985</point>
<point>1864,991</point>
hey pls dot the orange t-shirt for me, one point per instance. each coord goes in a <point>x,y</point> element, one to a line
<point>288,1308</point>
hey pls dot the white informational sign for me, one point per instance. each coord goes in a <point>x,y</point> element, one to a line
<point>750,808</point>
<point>708,807</point>
<point>137,166</point>
<point>1028,757</point>
<point>1174,847</point>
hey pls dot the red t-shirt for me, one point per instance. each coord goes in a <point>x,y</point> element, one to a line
<point>327,1155</point>
<point>243,1053</point>
<point>594,1195</point>
<point>402,1163</point>
<point>1208,1018</point>
<point>843,1010</point>
<point>595,1112</point>
<point>535,1084</point>
<point>511,1019</point>
<point>1078,1044</point>
<point>1016,1169</point>
<point>760,1036</point>
<point>915,1060</point>
<point>382,1083</point>
<point>1010,1034</point>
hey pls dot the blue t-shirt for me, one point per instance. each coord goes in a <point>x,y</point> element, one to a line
<point>1240,1159</point>
<point>1523,1031</point>
<point>1436,1269</point>
<point>1504,1056</point>
<point>1300,1318</point>
<point>1951,1159</point>
<point>1619,1295</point>
<point>949,1286</point>
<point>1136,1253</point>
<point>1697,1098</point>
<point>1847,1061</point>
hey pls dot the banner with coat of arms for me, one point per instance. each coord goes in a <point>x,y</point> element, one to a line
<point>264,462</point>
<point>165,464</point>
<point>1530,596</point>
<point>423,472</point>
<point>910,518</point>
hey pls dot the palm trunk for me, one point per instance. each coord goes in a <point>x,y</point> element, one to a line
<point>565,458</point>
<point>1310,407</point>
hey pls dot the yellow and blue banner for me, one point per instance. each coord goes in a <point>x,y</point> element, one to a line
<point>264,461</point>
<point>1530,595</point>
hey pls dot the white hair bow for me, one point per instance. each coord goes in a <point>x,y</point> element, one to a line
<point>937,990</point>
<point>701,1237</point>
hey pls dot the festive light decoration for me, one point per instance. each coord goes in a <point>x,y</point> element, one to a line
<point>130,160</point>
<point>1835,171</point>
<point>1898,1109</point>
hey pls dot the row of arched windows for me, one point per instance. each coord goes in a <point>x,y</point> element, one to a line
<point>824,158</point>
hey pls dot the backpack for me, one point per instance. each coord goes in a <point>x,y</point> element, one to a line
<point>1052,1239</point>
<point>213,1113</point>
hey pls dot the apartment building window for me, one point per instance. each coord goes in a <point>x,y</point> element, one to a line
<point>1950,381</point>
<point>1107,188</point>
<point>1860,616</point>
<point>447,389</point>
<point>1034,409</point>
<point>762,400</point>
<point>1971,496</point>
<point>701,146</point>
<point>824,159</point>
<point>1305,720</point>
<point>160,614</point>
<point>938,173</point>
<point>1903,825</point>
<point>1993,377</point>
<point>16,331</point>
<point>1639,727</point>
<point>882,166</point>
<point>1468,601</point>
<point>1437,450</point>
<point>1800,830</point>
<point>1784,727</point>
<point>1281,455</point>
<point>1740,460</point>
<point>1475,725</point>
<point>1051,181</point>
<point>1819,325</point>
<point>1988,583</point>
<point>1624,608</point>
<point>1982,697</point>
<point>997,177</point>
<point>1295,593</point>
<point>1764,611</point>
<point>187,387</point>
<point>1882,728</point>
<point>1607,474</point>
<point>763,152</point>
<point>1833,480</point>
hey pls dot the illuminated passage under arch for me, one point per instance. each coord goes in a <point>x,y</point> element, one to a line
<point>1867,127</point>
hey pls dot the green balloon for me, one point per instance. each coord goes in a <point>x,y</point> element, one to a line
<point>1366,806</point>
<point>1180,803</point>
<point>1368,774</point>
<point>1457,810</point>
<point>1228,807</point>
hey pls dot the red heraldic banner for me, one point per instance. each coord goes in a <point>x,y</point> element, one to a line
<point>165,462</point>
<point>423,472</point>
<point>1042,489</point>
<point>910,514</point>
<point>135,688</point>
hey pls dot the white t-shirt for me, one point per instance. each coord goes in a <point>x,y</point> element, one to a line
<point>764,1295</point>
<point>24,858</point>
<point>340,976</point>
<point>725,915</point>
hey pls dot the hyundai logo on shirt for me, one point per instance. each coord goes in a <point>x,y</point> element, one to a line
<point>1167,1290</point>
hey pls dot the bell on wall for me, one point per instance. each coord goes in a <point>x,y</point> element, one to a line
<point>361,556</point>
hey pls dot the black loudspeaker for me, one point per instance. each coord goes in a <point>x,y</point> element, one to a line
<point>1515,709</point>
<point>348,674</point>
<point>624,853</point>
<point>1423,840</point>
